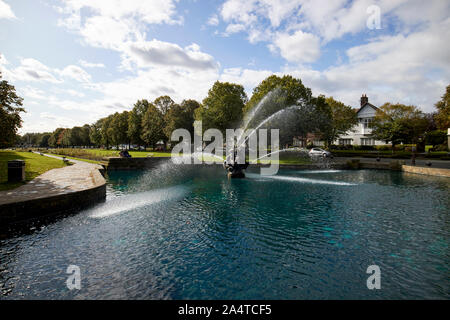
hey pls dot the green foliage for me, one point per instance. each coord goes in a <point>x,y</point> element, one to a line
<point>135,121</point>
<point>398,123</point>
<point>119,128</point>
<point>164,104</point>
<point>180,117</point>
<point>443,115</point>
<point>343,118</point>
<point>10,109</point>
<point>436,137</point>
<point>291,87</point>
<point>95,135</point>
<point>152,126</point>
<point>106,131</point>
<point>222,108</point>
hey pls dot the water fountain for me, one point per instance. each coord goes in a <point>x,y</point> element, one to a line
<point>269,110</point>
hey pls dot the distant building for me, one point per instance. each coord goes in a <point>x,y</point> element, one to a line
<point>448,138</point>
<point>310,139</point>
<point>361,134</point>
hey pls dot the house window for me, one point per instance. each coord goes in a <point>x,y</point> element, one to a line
<point>367,122</point>
<point>367,142</point>
<point>345,142</point>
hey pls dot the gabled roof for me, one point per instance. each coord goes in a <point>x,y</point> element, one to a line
<point>367,104</point>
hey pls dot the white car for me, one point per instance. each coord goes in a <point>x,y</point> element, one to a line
<point>317,152</point>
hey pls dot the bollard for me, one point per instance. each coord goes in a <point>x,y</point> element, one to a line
<point>16,171</point>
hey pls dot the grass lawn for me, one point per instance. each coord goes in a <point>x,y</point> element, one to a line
<point>98,154</point>
<point>35,165</point>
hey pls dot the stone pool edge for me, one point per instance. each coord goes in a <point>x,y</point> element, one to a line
<point>39,206</point>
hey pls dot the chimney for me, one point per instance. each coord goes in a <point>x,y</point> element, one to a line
<point>364,100</point>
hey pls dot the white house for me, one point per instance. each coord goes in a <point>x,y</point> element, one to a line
<point>361,133</point>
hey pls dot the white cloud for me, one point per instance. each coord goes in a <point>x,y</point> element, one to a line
<point>32,70</point>
<point>234,28</point>
<point>33,93</point>
<point>298,47</point>
<point>249,78</point>
<point>86,64</point>
<point>213,20</point>
<point>5,11</point>
<point>76,73</point>
<point>161,53</point>
<point>110,23</point>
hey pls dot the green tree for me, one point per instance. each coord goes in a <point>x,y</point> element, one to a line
<point>55,139</point>
<point>222,108</point>
<point>135,121</point>
<point>74,137</point>
<point>152,126</point>
<point>287,88</point>
<point>10,109</point>
<point>95,135</point>
<point>436,137</point>
<point>181,117</point>
<point>119,126</point>
<point>106,131</point>
<point>343,118</point>
<point>43,140</point>
<point>443,111</point>
<point>85,135</point>
<point>398,123</point>
<point>65,138</point>
<point>164,104</point>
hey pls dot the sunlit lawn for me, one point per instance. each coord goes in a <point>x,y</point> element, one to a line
<point>98,155</point>
<point>35,165</point>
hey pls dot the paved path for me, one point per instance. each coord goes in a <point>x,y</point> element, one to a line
<point>77,177</point>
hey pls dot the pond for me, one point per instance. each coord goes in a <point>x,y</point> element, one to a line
<point>190,233</point>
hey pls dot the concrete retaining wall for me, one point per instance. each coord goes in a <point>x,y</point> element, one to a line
<point>428,171</point>
<point>42,207</point>
<point>117,163</point>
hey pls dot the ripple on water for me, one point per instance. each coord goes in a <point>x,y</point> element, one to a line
<point>198,235</point>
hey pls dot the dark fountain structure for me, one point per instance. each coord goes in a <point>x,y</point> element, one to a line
<point>234,167</point>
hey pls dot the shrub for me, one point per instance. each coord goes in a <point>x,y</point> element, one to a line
<point>385,147</point>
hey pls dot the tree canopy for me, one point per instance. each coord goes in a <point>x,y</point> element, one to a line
<point>443,111</point>
<point>398,123</point>
<point>10,109</point>
<point>152,126</point>
<point>343,118</point>
<point>222,108</point>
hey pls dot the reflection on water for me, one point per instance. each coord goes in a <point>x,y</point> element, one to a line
<point>192,234</point>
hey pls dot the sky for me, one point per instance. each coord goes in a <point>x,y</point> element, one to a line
<point>75,61</point>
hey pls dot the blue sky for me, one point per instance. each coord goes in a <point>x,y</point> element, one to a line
<point>75,61</point>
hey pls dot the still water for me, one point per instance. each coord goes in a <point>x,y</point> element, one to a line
<point>193,234</point>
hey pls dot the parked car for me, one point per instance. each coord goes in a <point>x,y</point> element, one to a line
<point>317,152</point>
